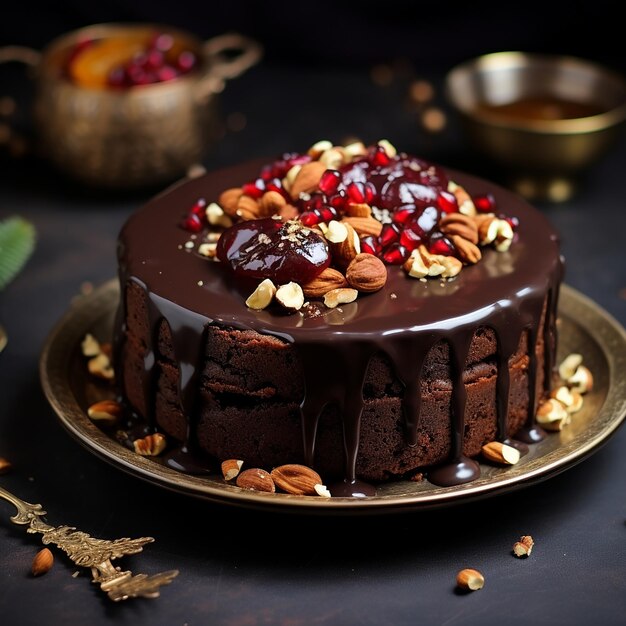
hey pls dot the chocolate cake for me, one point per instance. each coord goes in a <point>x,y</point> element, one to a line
<point>412,368</point>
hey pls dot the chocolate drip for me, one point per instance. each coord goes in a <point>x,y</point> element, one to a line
<point>504,291</point>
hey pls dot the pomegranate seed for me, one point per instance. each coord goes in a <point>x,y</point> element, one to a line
<point>266,173</point>
<point>389,234</point>
<point>402,216</point>
<point>441,245</point>
<point>513,221</point>
<point>117,77</point>
<point>155,59</point>
<point>166,73</point>
<point>395,254</point>
<point>447,202</point>
<point>369,192</point>
<point>370,245</point>
<point>424,223</point>
<point>310,218</point>
<point>162,42</point>
<point>338,201</point>
<point>329,182</point>
<point>485,203</point>
<point>355,192</point>
<point>199,207</point>
<point>192,223</point>
<point>254,189</point>
<point>410,240</point>
<point>186,61</point>
<point>326,214</point>
<point>380,157</point>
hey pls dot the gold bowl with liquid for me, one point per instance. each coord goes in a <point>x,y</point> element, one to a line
<point>545,119</point>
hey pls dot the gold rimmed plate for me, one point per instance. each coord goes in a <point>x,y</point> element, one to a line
<point>584,327</point>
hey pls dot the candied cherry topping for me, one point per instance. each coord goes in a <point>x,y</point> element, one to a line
<point>269,248</point>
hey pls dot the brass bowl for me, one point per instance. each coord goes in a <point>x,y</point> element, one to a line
<point>134,137</point>
<point>542,150</point>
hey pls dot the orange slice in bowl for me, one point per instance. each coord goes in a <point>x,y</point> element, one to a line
<point>92,66</point>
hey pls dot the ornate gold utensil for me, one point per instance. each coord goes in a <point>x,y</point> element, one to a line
<point>96,554</point>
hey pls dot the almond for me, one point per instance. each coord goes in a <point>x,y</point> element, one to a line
<point>231,468</point>
<point>229,200</point>
<point>298,480</point>
<point>316,150</point>
<point>366,273</point>
<point>364,226</point>
<point>307,179</point>
<point>42,562</point>
<point>356,209</point>
<point>106,412</point>
<point>256,479</point>
<point>333,158</point>
<point>271,203</point>
<point>500,453</point>
<point>344,243</point>
<point>247,208</point>
<point>329,279</point>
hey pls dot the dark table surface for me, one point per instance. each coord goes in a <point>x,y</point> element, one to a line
<point>242,567</point>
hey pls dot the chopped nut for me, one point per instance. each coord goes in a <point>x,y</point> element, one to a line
<point>290,176</point>
<point>501,453</point>
<point>322,491</point>
<point>571,400</point>
<point>524,546</point>
<point>106,412</point>
<point>552,415</point>
<point>504,236</point>
<point>100,366</point>
<point>344,243</point>
<point>152,445</point>
<point>464,200</point>
<point>569,365</point>
<point>364,226</point>
<point>216,217</point>
<point>42,563</point>
<point>581,380</point>
<point>271,202</point>
<point>262,296</point>
<point>316,150</point>
<point>487,229</point>
<point>90,345</point>
<point>470,579</point>
<point>332,159</point>
<point>231,468</point>
<point>290,296</point>
<point>388,147</point>
<point>256,479</point>
<point>343,295</point>
<point>468,251</point>
<point>208,250</point>
<point>358,209</point>
<point>5,465</point>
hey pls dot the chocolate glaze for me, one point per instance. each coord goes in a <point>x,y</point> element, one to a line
<point>505,291</point>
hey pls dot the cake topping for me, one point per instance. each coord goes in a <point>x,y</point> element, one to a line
<point>335,203</point>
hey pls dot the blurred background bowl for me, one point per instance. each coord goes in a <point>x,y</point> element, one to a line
<point>542,119</point>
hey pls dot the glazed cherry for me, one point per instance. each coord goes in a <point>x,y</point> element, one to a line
<point>269,248</point>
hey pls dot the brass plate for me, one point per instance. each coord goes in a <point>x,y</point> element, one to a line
<point>584,327</point>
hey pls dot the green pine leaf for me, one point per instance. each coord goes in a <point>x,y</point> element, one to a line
<point>17,242</point>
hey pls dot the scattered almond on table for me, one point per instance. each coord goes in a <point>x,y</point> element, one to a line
<point>470,579</point>
<point>42,563</point>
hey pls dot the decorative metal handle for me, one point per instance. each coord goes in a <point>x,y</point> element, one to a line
<point>220,67</point>
<point>97,554</point>
<point>20,54</point>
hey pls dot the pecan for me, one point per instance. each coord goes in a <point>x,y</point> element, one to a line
<point>468,251</point>
<point>458,224</point>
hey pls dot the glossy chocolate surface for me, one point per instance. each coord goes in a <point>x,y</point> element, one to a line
<point>505,291</point>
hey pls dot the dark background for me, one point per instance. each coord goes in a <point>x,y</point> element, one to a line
<point>432,35</point>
